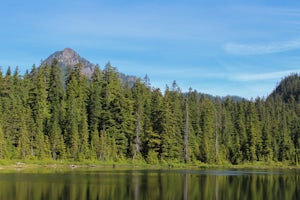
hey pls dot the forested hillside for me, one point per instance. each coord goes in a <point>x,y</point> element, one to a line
<point>288,89</point>
<point>102,119</point>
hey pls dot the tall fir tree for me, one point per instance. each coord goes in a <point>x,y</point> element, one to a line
<point>77,134</point>
<point>173,124</point>
<point>207,125</point>
<point>195,131</point>
<point>55,123</point>
<point>152,146</point>
<point>95,111</point>
<point>39,106</point>
<point>117,117</point>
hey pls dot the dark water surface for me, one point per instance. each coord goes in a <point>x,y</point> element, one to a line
<point>149,184</point>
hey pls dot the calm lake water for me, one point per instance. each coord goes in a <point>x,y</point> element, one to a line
<point>149,184</point>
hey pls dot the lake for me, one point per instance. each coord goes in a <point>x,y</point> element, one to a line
<point>122,184</point>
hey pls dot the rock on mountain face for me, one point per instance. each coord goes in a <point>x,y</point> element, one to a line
<point>69,58</point>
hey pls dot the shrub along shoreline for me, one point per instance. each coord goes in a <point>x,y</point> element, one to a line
<point>129,164</point>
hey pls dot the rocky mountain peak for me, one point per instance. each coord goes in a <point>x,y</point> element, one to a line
<point>69,58</point>
<point>69,53</point>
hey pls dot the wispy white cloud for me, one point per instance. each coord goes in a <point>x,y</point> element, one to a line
<point>258,49</point>
<point>263,76</point>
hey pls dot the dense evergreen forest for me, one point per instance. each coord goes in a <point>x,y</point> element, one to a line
<point>44,115</point>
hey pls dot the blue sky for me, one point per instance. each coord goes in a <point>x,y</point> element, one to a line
<point>239,48</point>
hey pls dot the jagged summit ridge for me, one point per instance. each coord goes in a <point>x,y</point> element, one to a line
<point>69,58</point>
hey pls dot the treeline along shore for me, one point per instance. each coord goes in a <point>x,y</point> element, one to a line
<point>45,115</point>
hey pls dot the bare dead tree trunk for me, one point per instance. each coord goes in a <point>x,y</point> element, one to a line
<point>186,133</point>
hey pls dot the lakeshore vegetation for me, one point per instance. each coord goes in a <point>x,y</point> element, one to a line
<point>45,115</point>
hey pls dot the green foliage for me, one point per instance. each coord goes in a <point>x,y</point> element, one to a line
<point>3,145</point>
<point>43,118</point>
<point>288,88</point>
<point>152,157</point>
<point>55,123</point>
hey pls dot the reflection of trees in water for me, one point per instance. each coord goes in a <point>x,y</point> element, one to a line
<point>186,187</point>
<point>136,186</point>
<point>216,188</point>
<point>167,184</point>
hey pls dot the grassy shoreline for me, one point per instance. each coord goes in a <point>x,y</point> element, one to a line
<point>69,164</point>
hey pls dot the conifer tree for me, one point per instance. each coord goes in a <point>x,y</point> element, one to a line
<point>55,123</point>
<point>153,137</point>
<point>95,100</point>
<point>117,116</point>
<point>207,125</point>
<point>3,140</point>
<point>194,125</point>
<point>76,115</point>
<point>266,152</point>
<point>20,112</point>
<point>39,106</point>
<point>240,136</point>
<point>137,91</point>
<point>3,145</point>
<point>173,124</point>
<point>95,111</point>
<point>141,95</point>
